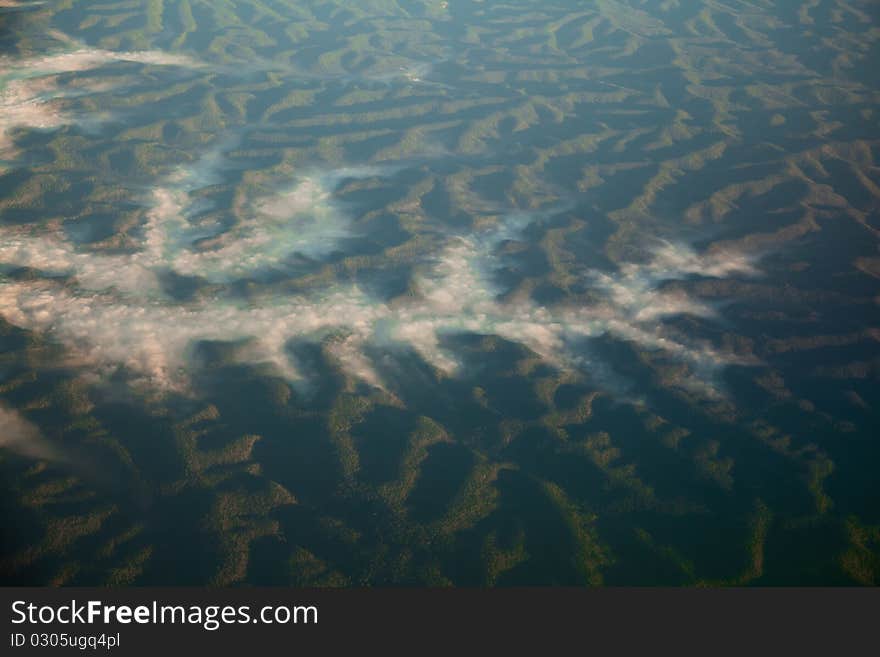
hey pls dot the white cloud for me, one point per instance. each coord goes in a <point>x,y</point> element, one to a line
<point>14,4</point>
<point>153,336</point>
<point>303,219</point>
<point>22,437</point>
<point>31,95</point>
<point>115,312</point>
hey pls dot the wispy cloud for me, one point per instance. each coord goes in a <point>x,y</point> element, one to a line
<point>113,316</point>
<point>32,95</point>
<point>20,436</point>
<point>300,219</point>
<point>14,4</point>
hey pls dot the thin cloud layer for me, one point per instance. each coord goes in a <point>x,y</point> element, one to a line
<point>301,219</point>
<point>127,324</point>
<point>111,309</point>
<point>23,438</point>
<point>31,95</point>
<point>15,4</point>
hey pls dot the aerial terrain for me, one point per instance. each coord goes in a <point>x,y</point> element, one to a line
<point>440,293</point>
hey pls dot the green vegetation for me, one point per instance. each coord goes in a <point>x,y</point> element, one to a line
<point>613,126</point>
